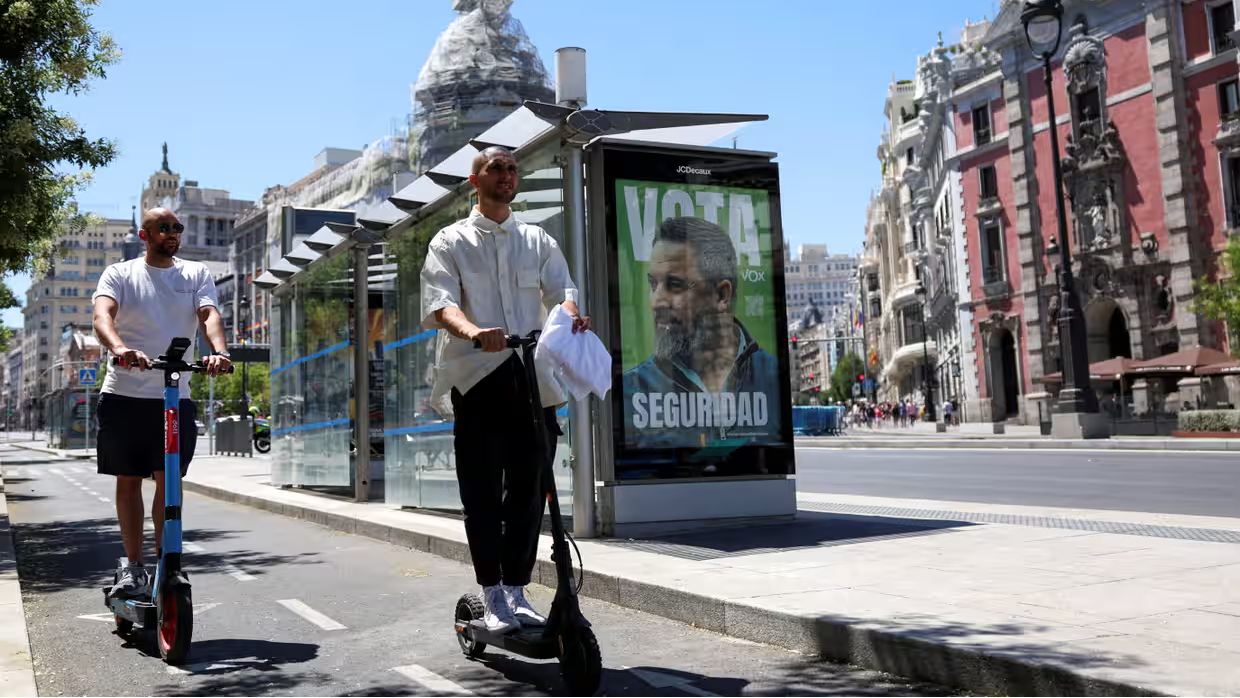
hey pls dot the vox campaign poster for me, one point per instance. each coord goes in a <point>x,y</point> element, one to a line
<point>698,277</point>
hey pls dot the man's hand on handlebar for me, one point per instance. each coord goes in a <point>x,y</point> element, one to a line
<point>490,339</point>
<point>216,364</point>
<point>581,323</point>
<point>132,358</point>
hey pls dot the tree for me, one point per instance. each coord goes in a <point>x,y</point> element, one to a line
<point>228,390</point>
<point>1220,300</point>
<point>7,300</point>
<point>46,47</point>
<point>844,376</point>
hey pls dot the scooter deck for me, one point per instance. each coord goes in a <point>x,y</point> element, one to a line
<point>528,642</point>
<point>140,610</point>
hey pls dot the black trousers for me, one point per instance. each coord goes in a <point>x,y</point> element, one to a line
<point>499,475</point>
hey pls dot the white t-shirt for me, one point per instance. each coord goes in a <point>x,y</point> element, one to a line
<point>154,306</point>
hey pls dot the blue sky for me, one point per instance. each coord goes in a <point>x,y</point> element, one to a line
<point>247,93</point>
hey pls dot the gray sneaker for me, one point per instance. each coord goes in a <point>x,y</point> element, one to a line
<point>132,584</point>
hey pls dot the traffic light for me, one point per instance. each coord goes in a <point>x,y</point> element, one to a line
<point>861,378</point>
<point>794,342</point>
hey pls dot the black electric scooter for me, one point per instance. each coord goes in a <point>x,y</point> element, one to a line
<point>567,635</point>
<point>169,609</point>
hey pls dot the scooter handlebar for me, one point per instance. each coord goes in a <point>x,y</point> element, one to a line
<point>196,367</point>
<point>515,341</point>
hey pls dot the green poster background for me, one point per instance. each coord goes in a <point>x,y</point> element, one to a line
<point>755,294</point>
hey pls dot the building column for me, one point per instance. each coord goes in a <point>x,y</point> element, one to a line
<point>1030,253</point>
<point>1176,158</point>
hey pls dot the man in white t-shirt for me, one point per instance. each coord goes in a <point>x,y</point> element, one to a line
<point>140,306</point>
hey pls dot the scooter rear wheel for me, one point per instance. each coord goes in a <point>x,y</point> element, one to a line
<point>468,609</point>
<point>175,625</point>
<point>581,662</point>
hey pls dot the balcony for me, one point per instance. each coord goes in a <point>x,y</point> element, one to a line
<point>994,282</point>
<point>988,206</point>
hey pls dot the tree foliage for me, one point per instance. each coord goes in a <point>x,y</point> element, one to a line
<point>1220,300</point>
<point>7,300</point>
<point>47,47</point>
<point>228,390</point>
<point>844,376</point>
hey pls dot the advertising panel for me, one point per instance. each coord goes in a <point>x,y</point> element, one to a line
<point>698,307</point>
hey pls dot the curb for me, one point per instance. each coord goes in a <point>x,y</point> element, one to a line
<point>1200,445</point>
<point>841,640</point>
<point>16,664</point>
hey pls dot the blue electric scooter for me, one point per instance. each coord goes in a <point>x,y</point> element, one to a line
<point>169,609</point>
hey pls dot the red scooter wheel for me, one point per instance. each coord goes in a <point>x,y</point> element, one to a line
<point>176,625</point>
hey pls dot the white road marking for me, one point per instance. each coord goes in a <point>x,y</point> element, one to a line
<point>310,614</point>
<point>192,547</point>
<point>56,471</point>
<point>149,525</point>
<point>107,616</point>
<point>175,670</point>
<point>432,682</point>
<point>105,500</point>
<point>86,471</point>
<point>241,576</point>
<point>72,481</point>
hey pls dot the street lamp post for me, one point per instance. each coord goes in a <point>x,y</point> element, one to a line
<point>925,356</point>
<point>244,303</point>
<point>1043,20</point>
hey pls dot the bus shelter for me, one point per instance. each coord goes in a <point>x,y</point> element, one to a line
<point>346,329</point>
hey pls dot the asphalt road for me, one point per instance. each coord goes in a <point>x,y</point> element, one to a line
<point>1202,484</point>
<point>389,608</point>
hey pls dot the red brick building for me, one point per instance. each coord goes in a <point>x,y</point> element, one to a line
<point>1149,126</point>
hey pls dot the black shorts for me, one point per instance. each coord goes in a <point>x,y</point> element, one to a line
<point>131,435</point>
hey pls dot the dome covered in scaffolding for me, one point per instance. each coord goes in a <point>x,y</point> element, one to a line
<point>481,69</point>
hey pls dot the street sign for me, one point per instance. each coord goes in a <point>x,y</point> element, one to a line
<point>86,376</point>
<point>856,390</point>
<point>869,385</point>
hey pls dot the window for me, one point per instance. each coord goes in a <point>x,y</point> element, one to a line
<point>1231,168</point>
<point>44,310</point>
<point>988,183</point>
<point>1222,23</point>
<point>908,156</point>
<point>992,252</point>
<point>981,125</point>
<point>1229,99</point>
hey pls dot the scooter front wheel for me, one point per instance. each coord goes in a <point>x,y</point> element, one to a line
<point>581,662</point>
<point>175,624</point>
<point>262,444</point>
<point>468,609</point>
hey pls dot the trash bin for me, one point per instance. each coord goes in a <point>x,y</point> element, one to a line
<point>234,436</point>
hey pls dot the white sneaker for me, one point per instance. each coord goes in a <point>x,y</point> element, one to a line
<point>132,584</point>
<point>498,618</point>
<point>521,608</point>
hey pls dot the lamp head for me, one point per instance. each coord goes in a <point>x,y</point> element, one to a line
<point>1043,22</point>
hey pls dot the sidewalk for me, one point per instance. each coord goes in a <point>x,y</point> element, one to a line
<point>980,436</point>
<point>16,668</point>
<point>988,598</point>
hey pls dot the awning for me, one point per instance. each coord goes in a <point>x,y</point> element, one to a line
<point>1226,368</point>
<point>1101,371</point>
<point>1184,361</point>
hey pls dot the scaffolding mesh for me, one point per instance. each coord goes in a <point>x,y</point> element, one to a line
<point>482,68</point>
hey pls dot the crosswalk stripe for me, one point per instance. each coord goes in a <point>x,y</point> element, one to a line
<point>105,500</point>
<point>238,574</point>
<point>192,547</point>
<point>431,681</point>
<point>310,614</point>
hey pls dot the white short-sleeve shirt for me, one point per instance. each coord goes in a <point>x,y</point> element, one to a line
<point>505,275</point>
<point>154,306</point>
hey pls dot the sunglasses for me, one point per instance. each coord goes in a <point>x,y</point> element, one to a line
<point>165,228</point>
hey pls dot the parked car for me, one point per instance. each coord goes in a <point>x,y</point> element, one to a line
<point>202,428</point>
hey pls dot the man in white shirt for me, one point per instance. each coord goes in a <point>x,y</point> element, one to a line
<point>486,277</point>
<point>140,306</point>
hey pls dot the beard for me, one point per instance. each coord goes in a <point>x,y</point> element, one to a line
<point>166,249</point>
<point>688,344</point>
